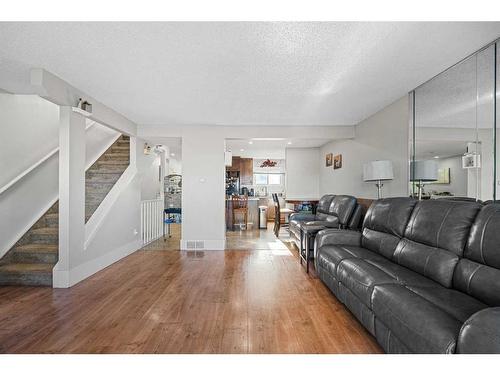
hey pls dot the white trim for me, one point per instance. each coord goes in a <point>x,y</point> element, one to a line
<point>81,111</point>
<point>60,92</point>
<point>108,145</point>
<point>39,162</point>
<point>28,170</point>
<point>27,227</point>
<point>210,245</point>
<point>66,279</point>
<point>109,200</point>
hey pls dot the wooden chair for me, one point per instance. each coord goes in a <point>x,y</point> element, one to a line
<point>240,205</point>
<point>278,212</point>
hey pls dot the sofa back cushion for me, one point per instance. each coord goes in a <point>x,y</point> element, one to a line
<point>435,238</point>
<point>478,273</point>
<point>323,206</point>
<point>342,207</point>
<point>384,224</point>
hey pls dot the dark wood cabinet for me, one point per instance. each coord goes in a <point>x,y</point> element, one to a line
<point>246,171</point>
<point>235,167</point>
<point>245,167</point>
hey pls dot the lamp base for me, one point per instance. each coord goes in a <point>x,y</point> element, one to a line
<point>379,185</point>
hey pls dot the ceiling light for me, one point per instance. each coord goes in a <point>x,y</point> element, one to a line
<point>436,157</point>
<point>250,143</point>
<point>172,154</point>
<point>289,142</point>
<point>242,149</point>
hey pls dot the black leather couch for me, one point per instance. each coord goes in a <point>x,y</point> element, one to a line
<point>332,211</point>
<point>422,276</point>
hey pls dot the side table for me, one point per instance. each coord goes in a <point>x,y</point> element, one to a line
<point>307,231</point>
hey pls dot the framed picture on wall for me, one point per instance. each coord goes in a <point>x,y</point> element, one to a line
<point>329,160</point>
<point>337,161</point>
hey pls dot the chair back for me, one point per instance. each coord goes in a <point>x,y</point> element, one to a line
<point>239,202</point>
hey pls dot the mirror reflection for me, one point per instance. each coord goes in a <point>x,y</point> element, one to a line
<point>453,153</point>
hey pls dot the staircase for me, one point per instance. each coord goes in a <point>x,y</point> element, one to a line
<point>31,260</point>
<point>103,174</point>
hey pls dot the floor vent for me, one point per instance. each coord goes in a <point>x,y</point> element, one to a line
<point>191,245</point>
<point>200,244</point>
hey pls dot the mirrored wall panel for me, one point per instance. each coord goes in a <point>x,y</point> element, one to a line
<point>453,131</point>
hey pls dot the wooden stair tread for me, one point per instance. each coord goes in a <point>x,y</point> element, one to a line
<point>46,230</point>
<point>36,247</point>
<point>26,267</point>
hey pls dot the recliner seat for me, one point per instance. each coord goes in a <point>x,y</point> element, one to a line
<point>333,211</point>
<point>422,277</point>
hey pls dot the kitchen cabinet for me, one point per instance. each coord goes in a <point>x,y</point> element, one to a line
<point>245,167</point>
<point>246,171</point>
<point>235,167</point>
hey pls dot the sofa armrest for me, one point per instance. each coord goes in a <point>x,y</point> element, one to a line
<point>480,334</point>
<point>324,223</point>
<point>299,216</point>
<point>338,237</point>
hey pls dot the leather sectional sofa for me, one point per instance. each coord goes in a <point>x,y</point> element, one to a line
<point>332,211</point>
<point>421,276</point>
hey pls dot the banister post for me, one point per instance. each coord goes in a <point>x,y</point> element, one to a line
<point>71,194</point>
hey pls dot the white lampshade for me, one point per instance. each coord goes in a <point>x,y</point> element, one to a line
<point>424,170</point>
<point>378,170</point>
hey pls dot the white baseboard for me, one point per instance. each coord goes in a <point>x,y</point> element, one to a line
<point>66,279</point>
<point>208,245</point>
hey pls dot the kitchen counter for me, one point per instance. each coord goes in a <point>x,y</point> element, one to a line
<point>253,213</point>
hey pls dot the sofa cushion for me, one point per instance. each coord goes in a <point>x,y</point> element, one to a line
<point>435,238</point>
<point>384,224</point>
<point>323,206</point>
<point>402,274</point>
<point>362,275</point>
<point>478,280</point>
<point>457,304</point>
<point>443,224</point>
<point>360,278</point>
<point>342,208</point>
<point>478,274</point>
<point>389,215</point>
<point>329,256</point>
<point>432,262</point>
<point>421,325</point>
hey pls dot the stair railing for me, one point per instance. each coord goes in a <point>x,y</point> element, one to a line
<point>31,168</point>
<point>151,220</point>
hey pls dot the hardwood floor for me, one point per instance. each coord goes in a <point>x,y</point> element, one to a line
<point>237,301</point>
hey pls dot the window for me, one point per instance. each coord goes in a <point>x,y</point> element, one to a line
<point>274,179</point>
<point>260,179</point>
<point>268,178</point>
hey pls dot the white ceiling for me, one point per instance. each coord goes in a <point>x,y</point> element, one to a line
<point>269,148</point>
<point>442,149</point>
<point>240,73</point>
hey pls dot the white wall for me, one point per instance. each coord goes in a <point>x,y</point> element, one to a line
<point>383,136</point>
<point>302,173</point>
<point>174,166</point>
<point>29,130</point>
<point>148,170</point>
<point>203,188</point>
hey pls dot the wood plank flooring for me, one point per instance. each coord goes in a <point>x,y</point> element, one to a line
<point>236,301</point>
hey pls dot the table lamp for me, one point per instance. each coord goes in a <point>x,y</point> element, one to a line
<point>423,171</point>
<point>378,170</point>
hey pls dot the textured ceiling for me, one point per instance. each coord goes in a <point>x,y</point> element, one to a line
<point>240,73</point>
